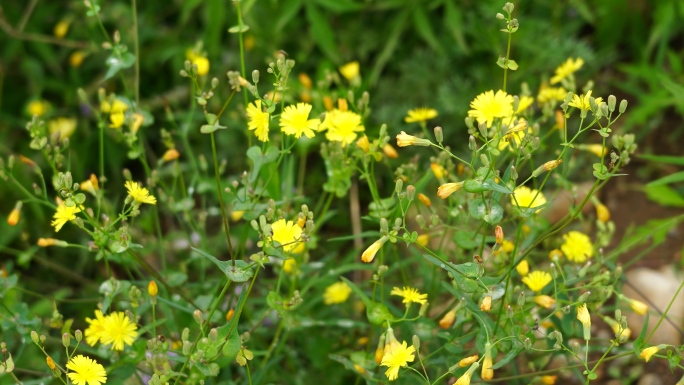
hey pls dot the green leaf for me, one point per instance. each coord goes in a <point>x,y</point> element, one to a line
<point>322,32</point>
<point>672,178</point>
<point>465,274</point>
<point>467,240</point>
<point>474,186</point>
<point>664,195</point>
<point>377,313</point>
<point>518,347</point>
<point>491,185</point>
<point>232,345</point>
<point>9,364</point>
<point>260,159</point>
<point>678,160</point>
<point>491,214</point>
<point>512,65</point>
<point>424,29</point>
<point>116,63</point>
<point>237,29</point>
<point>241,272</point>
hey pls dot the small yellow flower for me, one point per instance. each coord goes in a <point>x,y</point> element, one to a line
<point>582,102</point>
<point>424,199</point>
<point>438,171</point>
<point>547,94</point>
<point>336,293</point>
<point>46,242</point>
<point>93,333</point>
<point>170,154</point>
<point>423,239</point>
<point>117,119</point>
<point>199,60</point>
<point>61,29</point>
<point>488,106</point>
<point>50,363</point>
<point>523,268</point>
<point>487,371</point>
<point>602,213</point>
<point>525,103</point>
<point>76,58</point>
<point>465,377</point>
<point>566,69</point>
<point>37,108</point>
<point>448,320</point>
<point>295,121</point>
<point>289,235</point>
<point>398,358</point>
<point>596,149</point>
<point>369,254</point>
<point>85,371</point>
<point>527,198</point>
<point>236,215</point>
<point>91,185</point>
<point>577,247</point>
<point>555,255</point>
<point>420,115</point>
<point>65,126</point>
<point>486,304</point>
<point>405,140</point>
<point>342,126</point>
<point>13,217</point>
<point>410,295</point>
<point>305,80</point>
<point>114,107</point>
<point>584,317</point>
<point>359,369</point>
<point>363,144</point>
<point>637,306</point>
<point>390,152</point>
<point>444,191</point>
<point>140,194</point>
<point>647,353</point>
<point>258,120</point>
<point>544,301</point>
<point>620,333</point>
<point>468,361</point>
<point>229,314</point>
<point>118,330</point>
<point>507,246</point>
<point>537,280</point>
<point>549,380</point>
<point>152,289</point>
<point>63,215</point>
<point>499,234</point>
<point>350,71</point>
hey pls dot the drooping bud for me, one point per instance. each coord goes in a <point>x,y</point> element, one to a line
<point>498,234</point>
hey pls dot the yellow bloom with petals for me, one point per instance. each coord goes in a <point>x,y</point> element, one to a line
<point>410,295</point>
<point>637,306</point>
<point>420,115</point>
<point>91,185</point>
<point>465,378</point>
<point>398,358</point>
<point>621,333</point>
<point>488,106</point>
<point>527,198</point>
<point>65,126</point>
<point>537,280</point>
<point>577,246</point>
<point>342,126</point>
<point>547,94</point>
<point>295,121</point>
<point>351,70</point>
<point>444,191</point>
<point>523,268</point>
<point>584,317</point>
<point>647,353</point>
<point>525,103</point>
<point>117,119</point>
<point>258,120</point>
<point>93,333</point>
<point>566,69</point>
<point>289,235</point>
<point>583,102</point>
<point>405,140</point>
<point>336,293</point>
<point>363,144</point>
<point>63,215</point>
<point>85,371</point>
<point>114,107</point>
<point>369,254</point>
<point>37,108</point>
<point>13,217</point>
<point>140,194</point>
<point>61,29</point>
<point>544,301</point>
<point>118,330</point>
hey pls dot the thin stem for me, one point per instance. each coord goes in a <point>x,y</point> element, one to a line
<point>136,46</point>
<point>226,226</point>
<point>662,317</point>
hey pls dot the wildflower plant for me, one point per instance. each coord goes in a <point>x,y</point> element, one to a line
<point>216,262</point>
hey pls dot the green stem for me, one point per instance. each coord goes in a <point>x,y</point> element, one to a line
<point>137,55</point>
<point>226,226</point>
<point>662,317</point>
<point>508,53</point>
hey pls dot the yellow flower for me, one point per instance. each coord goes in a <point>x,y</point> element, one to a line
<point>93,333</point>
<point>295,121</point>
<point>647,353</point>
<point>445,190</point>
<point>61,29</point>
<point>465,378</point>
<point>50,363</point>
<point>63,215</point>
<point>424,199</point>
<point>544,301</point>
<point>170,154</point>
<point>577,247</point>
<point>350,70</point>
<point>86,371</point>
<point>448,319</point>
<point>487,106</point>
<point>405,140</point>
<point>289,235</point>
<point>507,246</point>
<point>369,254</point>
<point>420,115</point>
<point>37,108</point>
<point>620,333</point>
<point>515,133</point>
<point>258,120</point>
<point>65,126</point>
<point>396,359</point>
<point>523,267</point>
<point>336,293</point>
<point>152,289</point>
<point>547,94</point>
<point>537,280</point>
<point>555,254</point>
<point>138,120</point>
<point>139,194</point>
<point>637,306</point>
<point>487,371</point>
<point>46,242</point>
<point>118,330</point>
<point>410,295</point>
<point>486,304</point>
<point>423,239</point>
<point>342,126</point>
<point>199,60</point>
<point>76,58</point>
<point>596,149</point>
<point>583,101</point>
<point>13,217</point>
<point>548,380</point>
<point>437,170</point>
<point>468,360</point>
<point>525,103</point>
<point>390,152</point>
<point>584,317</point>
<point>91,185</point>
<point>527,198</point>
<point>305,80</point>
<point>117,119</point>
<point>363,144</point>
<point>602,213</point>
<point>236,215</point>
<point>566,69</point>
<point>114,107</point>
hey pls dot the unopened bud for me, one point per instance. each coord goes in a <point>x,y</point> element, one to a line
<point>410,192</point>
<point>34,337</point>
<point>398,186</point>
<point>213,335</point>
<point>623,106</point>
<point>416,342</point>
<point>66,340</point>
<point>197,314</point>
<point>439,134</point>
<point>50,363</point>
<point>486,304</point>
<point>152,289</point>
<point>472,145</point>
<point>499,234</point>
<point>78,335</point>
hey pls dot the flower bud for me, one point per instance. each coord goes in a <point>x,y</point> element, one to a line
<point>197,314</point>
<point>439,134</point>
<point>468,361</point>
<point>170,155</point>
<point>405,140</point>
<point>423,309</point>
<point>411,192</point>
<point>521,299</point>
<point>448,320</point>
<point>438,171</point>
<point>416,341</point>
<point>50,363</point>
<point>498,234</point>
<point>445,190</point>
<point>390,152</point>
<point>472,145</point>
<point>398,186</point>
<point>14,215</point>
<point>78,335</point>
<point>623,106</point>
<point>152,289</point>
<point>369,254</point>
<point>66,340</point>
<point>602,213</point>
<point>424,200</point>
<point>486,304</point>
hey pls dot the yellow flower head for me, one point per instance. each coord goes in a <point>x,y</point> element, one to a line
<point>423,239</point>
<point>258,120</point>
<point>93,333</point>
<point>369,254</point>
<point>507,246</point>
<point>487,106</point>
<point>555,255</point>
<point>61,29</point>
<point>584,317</point>
<point>468,361</point>
<point>537,280</point>
<point>118,330</point>
<point>295,121</point>
<point>13,217</point>
<point>350,71</point>
<point>199,60</point>
<point>170,154</point>
<point>527,197</point>
<point>525,103</point>
<point>647,353</point>
<point>465,378</point>
<point>336,293</point>
<point>410,295</point>
<point>37,107</point>
<point>405,140</point>
<point>152,289</point>
<point>566,69</point>
<point>65,126</point>
<point>116,106</point>
<point>444,191</point>
<point>420,115</point>
<point>397,358</point>
<point>76,58</point>
<point>577,246</point>
<point>363,144</point>
<point>637,306</point>
<point>342,126</point>
<point>583,102</point>
<point>437,170</point>
<point>602,213</point>
<point>547,94</point>
<point>91,185</point>
<point>523,268</point>
<point>63,215</point>
<point>621,333</point>
<point>289,235</point>
<point>139,194</point>
<point>448,319</point>
<point>85,371</point>
<point>487,371</point>
<point>117,119</point>
<point>236,215</point>
<point>544,301</point>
